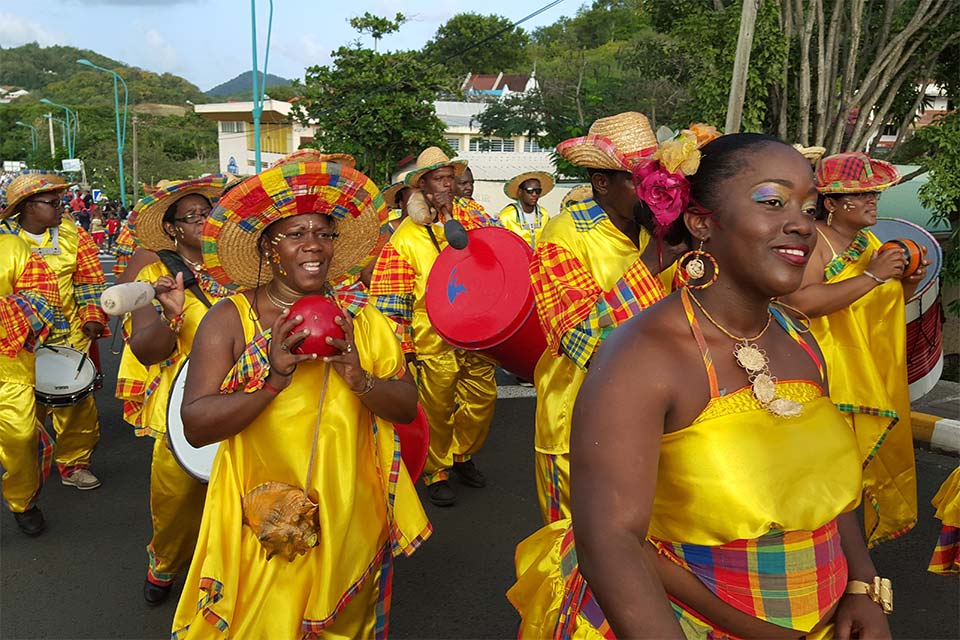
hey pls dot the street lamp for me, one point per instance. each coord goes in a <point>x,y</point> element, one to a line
<point>33,133</point>
<point>257,90</point>
<point>71,133</point>
<point>63,127</point>
<point>121,135</point>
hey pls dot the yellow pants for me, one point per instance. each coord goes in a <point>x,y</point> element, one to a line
<point>553,486</point>
<point>78,432</point>
<point>19,446</point>
<point>176,507</point>
<point>458,393</point>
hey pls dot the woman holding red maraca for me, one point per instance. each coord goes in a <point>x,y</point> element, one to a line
<point>308,500</point>
<point>854,290</point>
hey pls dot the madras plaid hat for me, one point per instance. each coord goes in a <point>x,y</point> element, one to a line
<point>854,172</point>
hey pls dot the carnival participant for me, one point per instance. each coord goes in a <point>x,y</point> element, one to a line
<point>168,223</point>
<point>395,196</point>
<point>464,184</point>
<point>29,314</point>
<point>524,216</point>
<point>457,388</point>
<point>74,259</point>
<point>713,500</point>
<point>577,194</point>
<point>946,555</point>
<point>308,500</point>
<point>594,268</point>
<point>854,295</point>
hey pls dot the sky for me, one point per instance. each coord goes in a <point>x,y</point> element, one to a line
<point>208,41</point>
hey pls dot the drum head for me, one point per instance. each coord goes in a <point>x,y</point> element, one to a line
<point>479,296</point>
<point>64,375</point>
<point>196,461</point>
<point>892,228</point>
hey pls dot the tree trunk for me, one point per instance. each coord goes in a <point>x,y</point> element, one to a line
<point>786,25</point>
<point>831,112</point>
<point>804,90</point>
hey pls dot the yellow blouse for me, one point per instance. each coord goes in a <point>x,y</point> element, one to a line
<point>14,255</point>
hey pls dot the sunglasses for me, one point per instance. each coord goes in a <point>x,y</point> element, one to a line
<point>49,203</point>
<point>536,190</point>
<point>193,218</point>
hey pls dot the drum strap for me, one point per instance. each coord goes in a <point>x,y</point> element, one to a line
<point>172,261</point>
<point>433,238</point>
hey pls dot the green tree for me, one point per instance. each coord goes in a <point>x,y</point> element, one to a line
<point>376,106</point>
<point>456,45</point>
<point>377,26</point>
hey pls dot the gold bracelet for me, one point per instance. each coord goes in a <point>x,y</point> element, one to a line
<point>369,380</point>
<point>875,278</point>
<point>880,591</point>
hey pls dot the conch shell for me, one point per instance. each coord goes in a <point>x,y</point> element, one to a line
<point>285,521</point>
<point>419,209</point>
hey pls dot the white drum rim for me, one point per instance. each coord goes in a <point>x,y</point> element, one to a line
<point>53,397</point>
<point>175,437</point>
<point>923,386</point>
<point>927,298</point>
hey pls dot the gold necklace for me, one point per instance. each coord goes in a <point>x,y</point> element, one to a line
<point>277,302</point>
<point>197,267</point>
<point>755,362</point>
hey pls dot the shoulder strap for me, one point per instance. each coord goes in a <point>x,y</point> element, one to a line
<point>172,261</point>
<point>788,324</point>
<point>827,240</point>
<point>704,350</point>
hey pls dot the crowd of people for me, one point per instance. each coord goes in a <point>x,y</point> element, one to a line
<point>716,495</point>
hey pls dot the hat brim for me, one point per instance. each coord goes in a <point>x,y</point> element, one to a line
<point>885,175</point>
<point>48,188</point>
<point>146,221</point>
<point>592,152</point>
<point>232,232</point>
<point>312,155</point>
<point>390,194</point>
<point>512,188</point>
<point>413,178</point>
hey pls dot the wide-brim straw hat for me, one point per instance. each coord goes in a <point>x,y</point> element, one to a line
<point>813,154</point>
<point>578,194</point>
<point>312,155</point>
<point>616,143</point>
<point>431,159</point>
<point>854,172</point>
<point>30,183</point>
<point>390,193</point>
<point>512,188</point>
<point>232,232</point>
<point>146,220</point>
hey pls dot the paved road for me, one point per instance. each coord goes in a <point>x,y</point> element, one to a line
<point>82,578</point>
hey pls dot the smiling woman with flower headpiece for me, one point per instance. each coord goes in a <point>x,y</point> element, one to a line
<point>308,501</point>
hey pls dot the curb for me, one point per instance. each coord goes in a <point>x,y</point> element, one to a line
<point>942,434</point>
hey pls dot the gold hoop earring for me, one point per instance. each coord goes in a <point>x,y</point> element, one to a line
<point>829,218</point>
<point>275,258</point>
<point>691,267</point>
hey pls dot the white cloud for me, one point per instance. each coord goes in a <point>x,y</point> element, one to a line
<point>161,55</point>
<point>16,31</point>
<point>306,50</point>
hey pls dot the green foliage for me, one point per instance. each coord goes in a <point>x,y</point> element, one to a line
<point>376,106</point>
<point>377,26</point>
<point>505,52</point>
<point>602,22</point>
<point>34,67</point>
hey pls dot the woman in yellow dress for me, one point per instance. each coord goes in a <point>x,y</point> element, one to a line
<point>854,295</point>
<point>159,337</point>
<point>308,501</point>
<point>711,499</point>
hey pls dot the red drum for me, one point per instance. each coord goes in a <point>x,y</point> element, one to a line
<point>414,443</point>
<point>479,298</point>
<point>924,314</point>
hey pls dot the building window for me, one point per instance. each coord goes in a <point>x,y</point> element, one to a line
<point>530,145</point>
<point>454,143</point>
<point>890,130</point>
<point>231,127</point>
<point>493,145</point>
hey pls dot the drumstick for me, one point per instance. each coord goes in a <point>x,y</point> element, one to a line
<point>82,360</point>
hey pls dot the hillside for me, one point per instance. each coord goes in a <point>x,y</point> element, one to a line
<point>240,86</point>
<point>34,67</point>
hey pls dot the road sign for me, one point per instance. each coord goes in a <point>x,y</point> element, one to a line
<point>97,195</point>
<point>13,166</point>
<point>72,164</point>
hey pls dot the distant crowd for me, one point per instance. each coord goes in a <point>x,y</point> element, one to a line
<point>103,219</point>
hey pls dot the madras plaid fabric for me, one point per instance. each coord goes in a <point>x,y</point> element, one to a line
<point>32,314</point>
<point>946,555</point>
<point>314,628</point>
<point>633,293</point>
<point>788,578</point>
<point>391,286</point>
<point>578,599</point>
<point>89,282</point>
<point>132,392</point>
<point>382,629</point>
<point>44,453</point>
<point>123,250</point>
<point>790,326</point>
<point>551,460</point>
<point>157,578</point>
<point>872,411</point>
<point>472,215</point>
<point>586,214</point>
<point>854,172</point>
<point>849,256</point>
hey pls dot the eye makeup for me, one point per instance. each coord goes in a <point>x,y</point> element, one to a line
<point>768,191</point>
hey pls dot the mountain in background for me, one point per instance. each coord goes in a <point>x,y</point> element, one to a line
<point>33,67</point>
<point>241,86</point>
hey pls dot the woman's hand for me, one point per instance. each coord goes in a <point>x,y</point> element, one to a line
<point>859,615</point>
<point>347,363</point>
<point>888,264</point>
<point>915,278</point>
<point>283,361</point>
<point>169,293</point>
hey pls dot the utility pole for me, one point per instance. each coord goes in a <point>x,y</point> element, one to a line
<point>53,148</point>
<point>741,64</point>
<point>136,167</point>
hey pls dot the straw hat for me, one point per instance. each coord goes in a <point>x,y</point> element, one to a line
<point>312,155</point>
<point>232,232</point>
<point>616,143</point>
<point>854,172</point>
<point>813,154</point>
<point>146,220</point>
<point>578,194</point>
<point>431,159</point>
<point>512,188</point>
<point>30,183</point>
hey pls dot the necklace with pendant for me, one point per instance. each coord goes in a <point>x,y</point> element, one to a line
<point>277,302</point>
<point>196,266</point>
<point>755,362</point>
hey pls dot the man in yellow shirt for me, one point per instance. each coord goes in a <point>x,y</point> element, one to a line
<point>457,389</point>
<point>74,258</point>
<point>524,216</point>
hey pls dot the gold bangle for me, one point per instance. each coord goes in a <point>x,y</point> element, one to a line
<point>369,380</point>
<point>875,278</point>
<point>880,591</point>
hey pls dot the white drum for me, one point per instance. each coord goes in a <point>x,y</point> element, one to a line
<point>65,376</point>
<point>198,462</point>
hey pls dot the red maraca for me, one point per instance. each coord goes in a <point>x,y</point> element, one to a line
<point>318,313</point>
<point>910,249</point>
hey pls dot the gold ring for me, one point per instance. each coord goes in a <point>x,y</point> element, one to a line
<point>283,347</point>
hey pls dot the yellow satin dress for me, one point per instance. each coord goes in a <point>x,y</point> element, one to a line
<point>864,346</point>
<point>369,510</point>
